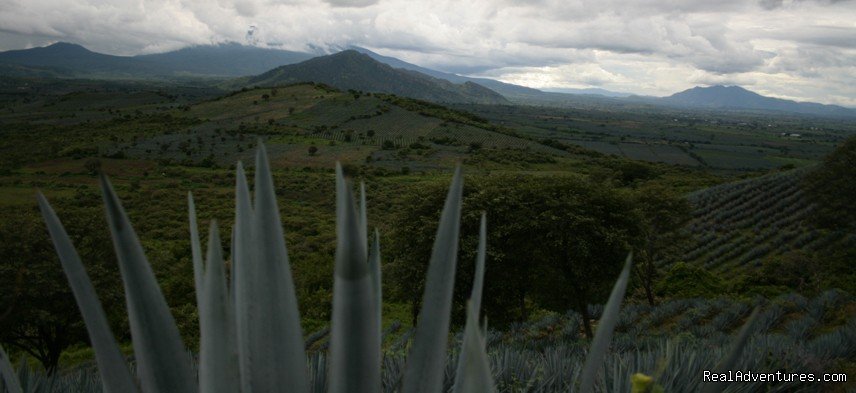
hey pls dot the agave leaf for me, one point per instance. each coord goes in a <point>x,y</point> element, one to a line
<point>232,279</point>
<point>377,288</point>
<point>354,338</point>
<point>242,270</point>
<point>24,375</point>
<point>276,337</point>
<point>218,353</point>
<point>605,328</point>
<point>730,360</point>
<point>195,249</point>
<point>478,278</point>
<point>162,361</point>
<point>426,362</point>
<point>8,373</point>
<point>473,374</point>
<point>364,222</point>
<point>114,371</point>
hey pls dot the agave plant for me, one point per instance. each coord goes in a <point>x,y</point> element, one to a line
<point>250,334</point>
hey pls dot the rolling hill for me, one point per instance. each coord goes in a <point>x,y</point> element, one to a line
<point>351,70</point>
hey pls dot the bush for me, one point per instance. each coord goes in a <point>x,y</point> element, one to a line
<point>688,281</point>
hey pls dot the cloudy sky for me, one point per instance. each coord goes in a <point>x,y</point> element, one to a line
<point>797,49</point>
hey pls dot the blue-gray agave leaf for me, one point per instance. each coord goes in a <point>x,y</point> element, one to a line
<point>426,362</point>
<point>195,248</point>
<point>377,288</point>
<point>243,267</point>
<point>605,328</point>
<point>354,338</point>
<point>163,363</point>
<point>218,353</point>
<point>729,362</point>
<point>364,221</point>
<point>478,278</point>
<point>115,376</point>
<point>8,373</point>
<point>276,337</point>
<point>473,373</point>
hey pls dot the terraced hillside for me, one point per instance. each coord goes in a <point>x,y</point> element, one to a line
<point>738,225</point>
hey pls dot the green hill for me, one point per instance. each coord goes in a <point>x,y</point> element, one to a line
<point>351,70</point>
<point>387,131</point>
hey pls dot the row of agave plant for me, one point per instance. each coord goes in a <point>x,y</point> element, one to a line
<point>250,333</point>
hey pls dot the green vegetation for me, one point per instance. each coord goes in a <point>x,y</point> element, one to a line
<point>832,187</point>
<point>564,228</point>
<point>45,319</point>
<point>709,221</point>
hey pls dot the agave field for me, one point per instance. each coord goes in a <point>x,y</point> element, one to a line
<point>739,224</point>
<point>675,341</point>
<point>251,338</point>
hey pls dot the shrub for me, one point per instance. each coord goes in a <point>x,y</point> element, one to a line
<point>688,281</point>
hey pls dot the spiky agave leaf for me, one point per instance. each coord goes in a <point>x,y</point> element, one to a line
<point>276,337</point>
<point>605,328</point>
<point>354,338</point>
<point>426,362</point>
<point>8,373</point>
<point>730,360</point>
<point>478,278</point>
<point>243,267</point>
<point>218,353</point>
<point>195,249</point>
<point>364,221</point>
<point>162,361</point>
<point>473,373</point>
<point>115,376</point>
<point>377,288</point>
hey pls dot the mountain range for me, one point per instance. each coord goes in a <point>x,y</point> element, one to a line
<point>361,69</point>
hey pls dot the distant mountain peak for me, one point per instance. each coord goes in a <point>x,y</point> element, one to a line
<point>350,69</point>
<point>65,47</point>
<point>736,97</point>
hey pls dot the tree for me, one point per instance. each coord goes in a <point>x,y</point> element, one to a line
<point>664,213</point>
<point>585,230</point>
<point>832,187</point>
<point>312,150</point>
<point>553,242</point>
<point>38,313</point>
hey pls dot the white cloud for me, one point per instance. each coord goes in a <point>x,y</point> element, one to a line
<point>795,48</point>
